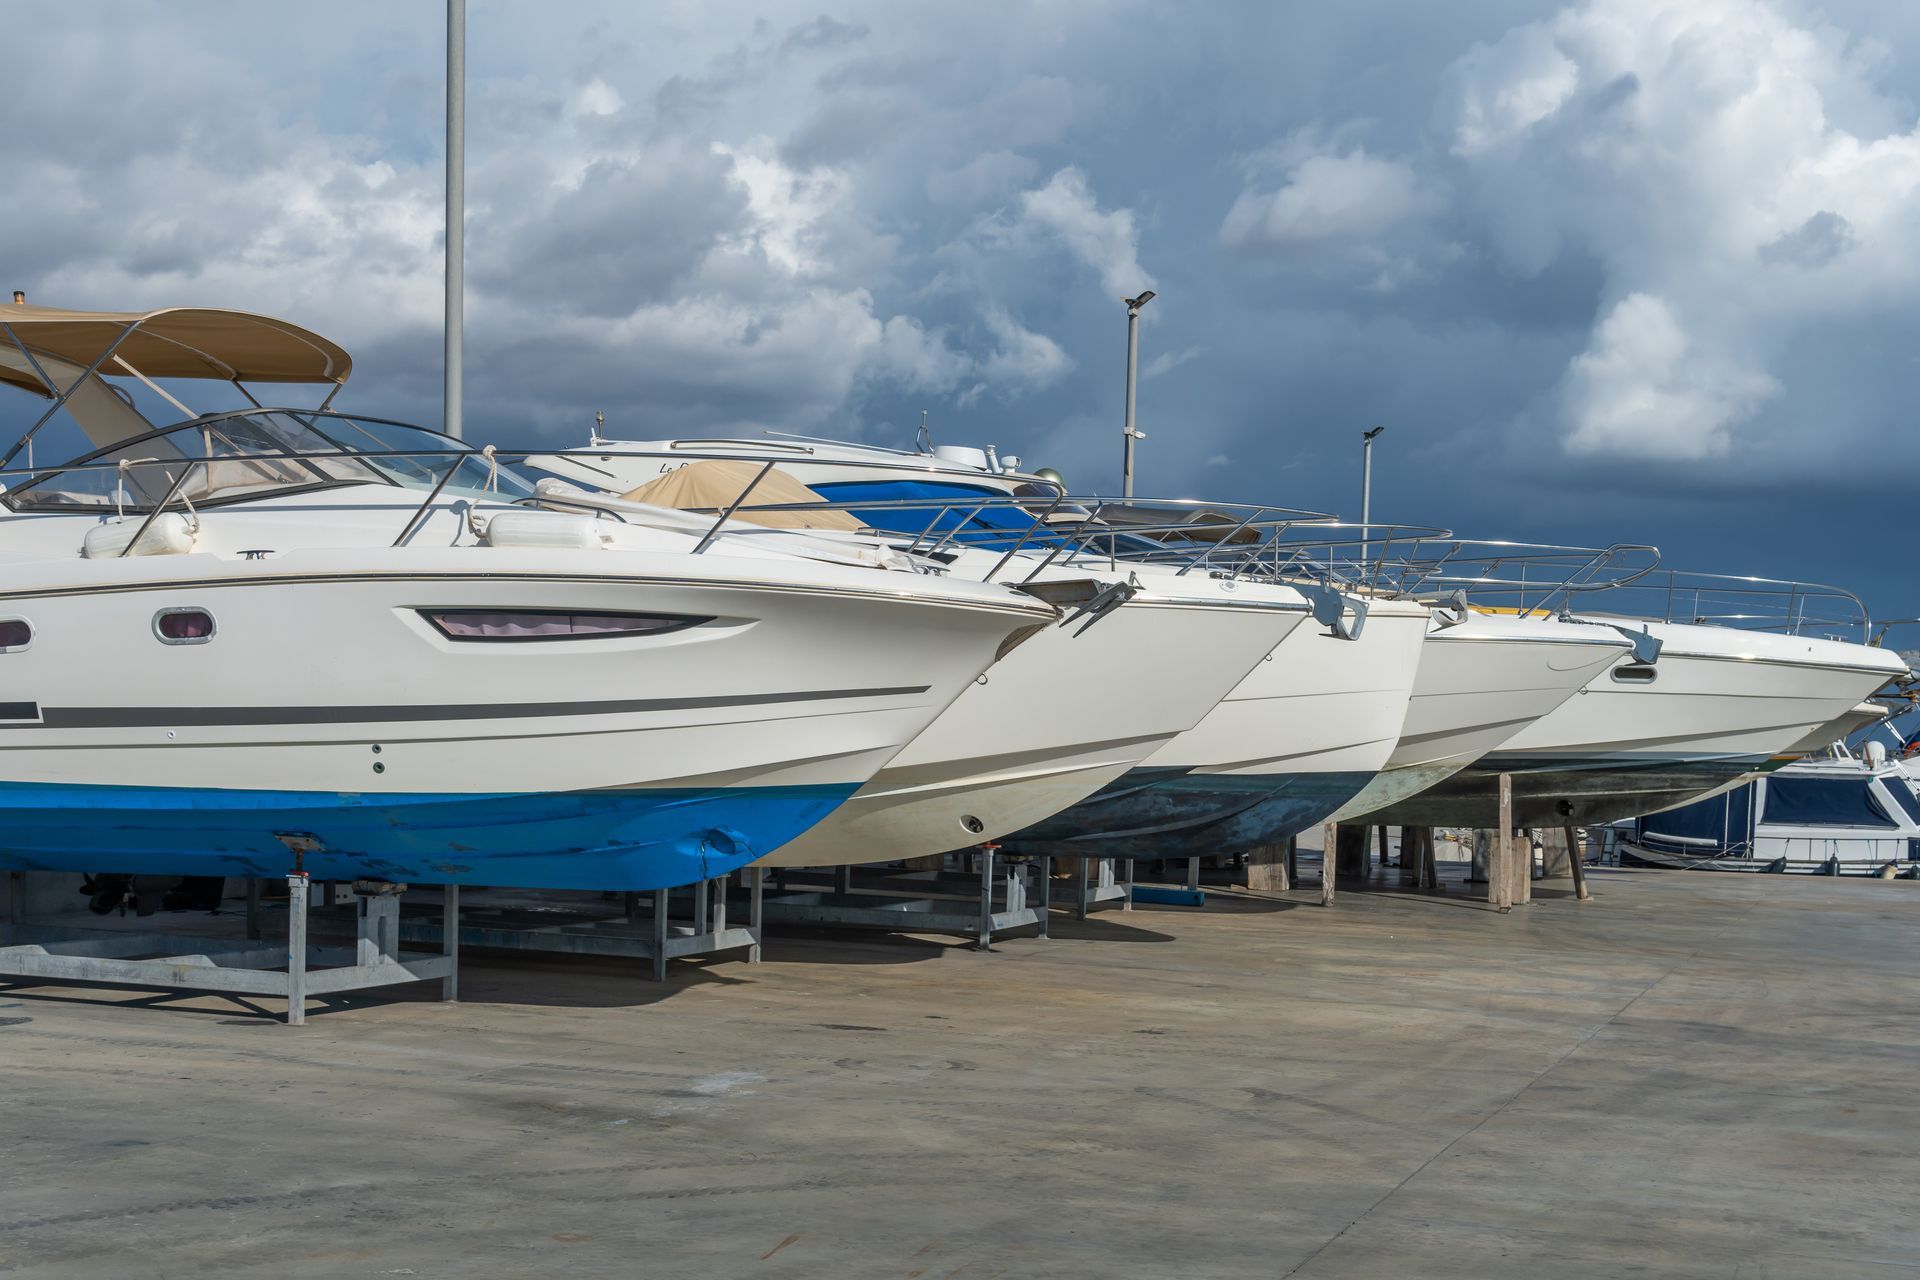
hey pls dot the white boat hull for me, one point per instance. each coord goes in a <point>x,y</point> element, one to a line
<point>1296,739</point>
<point>1482,681</point>
<point>1724,703</point>
<point>1061,716</point>
<point>635,762</point>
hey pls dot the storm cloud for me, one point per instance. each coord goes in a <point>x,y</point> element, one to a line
<point>1622,269</point>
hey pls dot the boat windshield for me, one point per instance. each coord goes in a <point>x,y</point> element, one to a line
<point>237,457</point>
<point>1902,791</point>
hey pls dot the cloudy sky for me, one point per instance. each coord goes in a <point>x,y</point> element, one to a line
<point>1615,270</point>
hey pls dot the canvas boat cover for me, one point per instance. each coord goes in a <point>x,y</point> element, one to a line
<point>173,342</point>
<point>714,485</point>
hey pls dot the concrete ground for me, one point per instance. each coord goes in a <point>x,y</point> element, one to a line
<point>1691,1075</point>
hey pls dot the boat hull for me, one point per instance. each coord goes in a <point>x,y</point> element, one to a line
<point>1724,704</point>
<point>1552,790</point>
<point>1481,682</point>
<point>1295,740</point>
<point>630,763</point>
<point>646,838</point>
<point>1048,727</point>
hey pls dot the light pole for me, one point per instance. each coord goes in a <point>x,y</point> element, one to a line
<point>456,211</point>
<point>1366,492</point>
<point>1133,357</point>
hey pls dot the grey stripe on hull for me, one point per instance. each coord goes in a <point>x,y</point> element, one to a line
<point>176,717</point>
<point>1027,606</point>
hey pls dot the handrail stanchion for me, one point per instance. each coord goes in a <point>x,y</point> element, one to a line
<point>173,487</point>
<point>726,515</point>
<point>1039,523</point>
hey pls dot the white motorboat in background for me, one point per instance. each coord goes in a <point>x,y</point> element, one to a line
<point>1839,813</point>
<point>1702,706</point>
<point>268,635</point>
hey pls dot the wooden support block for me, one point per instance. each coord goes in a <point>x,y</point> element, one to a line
<point>1500,849</point>
<point>1521,868</point>
<point>1577,866</point>
<point>1267,868</point>
<point>1329,855</point>
<point>1557,853</point>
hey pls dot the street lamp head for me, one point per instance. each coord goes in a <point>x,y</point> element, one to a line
<point>1368,435</point>
<point>1134,304</point>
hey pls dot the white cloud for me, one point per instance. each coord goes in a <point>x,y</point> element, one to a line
<point>1106,240</point>
<point>787,207</point>
<point>1021,357</point>
<point>1509,86</point>
<point>596,98</point>
<point>1353,196</point>
<point>1696,155</point>
<point>1641,389</point>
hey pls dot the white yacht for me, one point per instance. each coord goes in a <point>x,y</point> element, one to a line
<point>1839,813</point>
<point>270,636</point>
<point>1701,704</point>
<point>1285,744</point>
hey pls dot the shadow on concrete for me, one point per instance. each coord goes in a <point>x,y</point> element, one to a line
<point>1237,900</point>
<point>1116,926</point>
<point>217,1005</point>
<point>851,944</point>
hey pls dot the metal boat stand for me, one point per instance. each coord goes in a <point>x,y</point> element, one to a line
<point>1098,880</point>
<point>649,927</point>
<point>293,970</point>
<point>993,897</point>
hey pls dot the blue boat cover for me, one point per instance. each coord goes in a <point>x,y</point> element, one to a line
<point>1725,820</point>
<point>1823,802</point>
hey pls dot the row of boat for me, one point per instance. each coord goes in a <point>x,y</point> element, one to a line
<point>267,635</point>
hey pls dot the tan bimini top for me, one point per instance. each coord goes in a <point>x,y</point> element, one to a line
<point>173,342</point>
<point>713,486</point>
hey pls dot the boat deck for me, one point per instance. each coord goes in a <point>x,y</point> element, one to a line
<point>1688,1076</point>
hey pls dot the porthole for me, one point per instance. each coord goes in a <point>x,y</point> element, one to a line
<point>15,634</point>
<point>183,626</point>
<point>1636,673</point>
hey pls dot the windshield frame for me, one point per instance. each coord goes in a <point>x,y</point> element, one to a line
<point>378,465</point>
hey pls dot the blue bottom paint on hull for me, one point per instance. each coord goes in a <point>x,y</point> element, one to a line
<point>1161,813</point>
<point>638,839</point>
